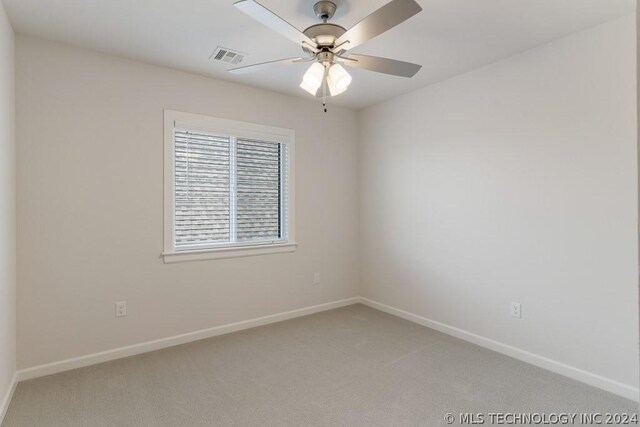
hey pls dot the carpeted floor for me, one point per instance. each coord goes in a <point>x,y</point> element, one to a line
<point>353,366</point>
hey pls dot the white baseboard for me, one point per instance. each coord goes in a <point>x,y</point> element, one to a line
<point>132,350</point>
<point>4,405</point>
<point>595,380</point>
<point>590,378</point>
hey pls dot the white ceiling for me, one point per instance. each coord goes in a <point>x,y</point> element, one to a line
<point>448,37</point>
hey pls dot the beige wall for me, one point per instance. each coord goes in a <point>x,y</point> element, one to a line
<point>90,204</point>
<point>7,210</point>
<point>514,182</point>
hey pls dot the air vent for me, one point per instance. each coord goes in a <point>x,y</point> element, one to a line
<point>227,55</point>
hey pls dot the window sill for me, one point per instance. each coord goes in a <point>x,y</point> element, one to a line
<point>228,252</point>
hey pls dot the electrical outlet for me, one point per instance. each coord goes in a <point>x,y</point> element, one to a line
<point>516,310</point>
<point>121,308</point>
<point>316,279</point>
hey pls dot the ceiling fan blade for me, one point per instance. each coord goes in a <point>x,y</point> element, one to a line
<point>388,16</point>
<point>383,65</point>
<point>273,21</point>
<point>263,65</point>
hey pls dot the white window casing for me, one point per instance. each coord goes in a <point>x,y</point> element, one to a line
<point>228,188</point>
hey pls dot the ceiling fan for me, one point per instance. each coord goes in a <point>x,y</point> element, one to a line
<point>326,44</point>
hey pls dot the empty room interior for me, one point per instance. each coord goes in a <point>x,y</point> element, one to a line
<point>318,213</point>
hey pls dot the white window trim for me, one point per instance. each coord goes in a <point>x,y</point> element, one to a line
<point>173,119</point>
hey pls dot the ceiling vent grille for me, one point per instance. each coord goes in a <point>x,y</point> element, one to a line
<point>227,55</point>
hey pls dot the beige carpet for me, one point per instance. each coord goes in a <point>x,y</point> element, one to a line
<point>353,366</point>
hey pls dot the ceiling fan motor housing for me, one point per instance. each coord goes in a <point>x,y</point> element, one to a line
<point>324,35</point>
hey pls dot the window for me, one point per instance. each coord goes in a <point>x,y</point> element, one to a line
<point>228,188</point>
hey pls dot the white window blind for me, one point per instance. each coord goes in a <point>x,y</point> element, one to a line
<point>202,186</point>
<point>259,192</point>
<point>228,190</point>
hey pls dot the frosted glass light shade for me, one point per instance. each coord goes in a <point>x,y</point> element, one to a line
<point>311,89</point>
<point>333,89</point>
<point>341,79</point>
<point>313,76</point>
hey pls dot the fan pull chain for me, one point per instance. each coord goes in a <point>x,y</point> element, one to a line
<point>324,95</point>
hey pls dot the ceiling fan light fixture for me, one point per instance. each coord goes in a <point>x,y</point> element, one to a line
<point>340,78</point>
<point>313,77</point>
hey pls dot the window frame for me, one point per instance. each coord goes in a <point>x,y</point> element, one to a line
<point>232,128</point>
